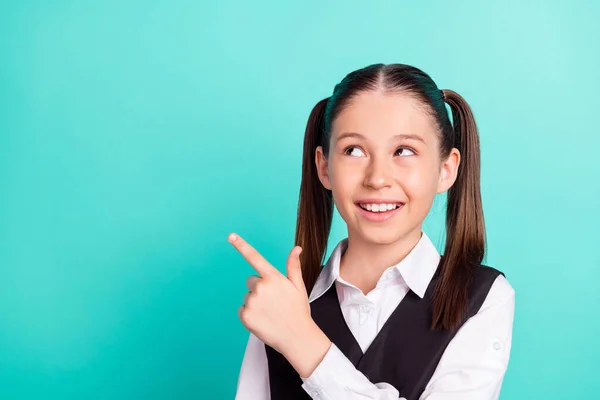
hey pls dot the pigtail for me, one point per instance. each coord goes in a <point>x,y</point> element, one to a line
<point>465,228</point>
<point>315,206</point>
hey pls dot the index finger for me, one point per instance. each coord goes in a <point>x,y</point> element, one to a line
<point>254,258</point>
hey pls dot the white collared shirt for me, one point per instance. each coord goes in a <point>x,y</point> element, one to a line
<point>471,368</point>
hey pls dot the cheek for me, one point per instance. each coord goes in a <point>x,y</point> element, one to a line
<point>420,181</point>
<point>344,177</point>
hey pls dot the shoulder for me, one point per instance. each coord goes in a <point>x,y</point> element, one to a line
<point>501,291</point>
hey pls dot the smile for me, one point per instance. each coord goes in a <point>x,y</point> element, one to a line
<point>378,212</point>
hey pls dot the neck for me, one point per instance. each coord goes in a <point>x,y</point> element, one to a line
<point>364,262</point>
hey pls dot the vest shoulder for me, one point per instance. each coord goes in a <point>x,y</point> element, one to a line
<point>487,270</point>
<point>500,289</point>
<point>491,284</point>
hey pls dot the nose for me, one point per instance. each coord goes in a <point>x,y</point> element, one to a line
<point>378,174</point>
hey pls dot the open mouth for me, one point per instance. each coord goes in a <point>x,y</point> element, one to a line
<point>380,208</point>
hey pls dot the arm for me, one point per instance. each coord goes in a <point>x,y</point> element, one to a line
<point>475,361</point>
<point>253,382</point>
<point>472,367</point>
<point>336,378</point>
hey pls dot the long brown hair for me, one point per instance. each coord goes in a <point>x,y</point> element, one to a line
<point>315,207</point>
<point>465,229</point>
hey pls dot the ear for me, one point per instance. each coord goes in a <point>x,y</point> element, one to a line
<point>449,171</point>
<point>322,168</point>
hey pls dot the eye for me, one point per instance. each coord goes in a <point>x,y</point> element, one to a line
<point>349,150</point>
<point>405,151</point>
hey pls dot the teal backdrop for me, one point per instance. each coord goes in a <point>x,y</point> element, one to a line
<point>135,135</point>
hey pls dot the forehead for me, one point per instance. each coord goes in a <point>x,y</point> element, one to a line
<point>380,115</point>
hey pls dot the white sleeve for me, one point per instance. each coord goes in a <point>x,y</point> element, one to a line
<point>336,378</point>
<point>253,381</point>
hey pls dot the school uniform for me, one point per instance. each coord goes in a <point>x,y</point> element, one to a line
<point>381,344</point>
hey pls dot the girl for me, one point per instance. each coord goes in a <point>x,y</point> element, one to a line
<point>386,317</point>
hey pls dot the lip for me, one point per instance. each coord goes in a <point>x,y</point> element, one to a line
<point>379,216</point>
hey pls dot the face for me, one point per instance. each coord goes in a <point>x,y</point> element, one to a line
<point>384,166</point>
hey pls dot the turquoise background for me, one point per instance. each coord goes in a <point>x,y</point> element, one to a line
<point>135,135</point>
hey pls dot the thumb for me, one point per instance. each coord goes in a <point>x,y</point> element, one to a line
<point>294,269</point>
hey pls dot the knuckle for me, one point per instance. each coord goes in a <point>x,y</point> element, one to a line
<point>260,287</point>
<point>244,316</point>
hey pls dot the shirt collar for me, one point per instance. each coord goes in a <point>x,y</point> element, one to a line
<point>417,268</point>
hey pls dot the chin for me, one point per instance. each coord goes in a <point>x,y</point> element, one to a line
<point>380,237</point>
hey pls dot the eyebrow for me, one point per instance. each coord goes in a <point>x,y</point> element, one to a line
<point>406,136</point>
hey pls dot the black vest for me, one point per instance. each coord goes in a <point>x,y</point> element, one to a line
<point>405,353</point>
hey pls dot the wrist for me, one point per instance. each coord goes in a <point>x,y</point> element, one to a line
<point>307,349</point>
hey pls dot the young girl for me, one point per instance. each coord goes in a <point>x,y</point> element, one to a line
<point>386,317</point>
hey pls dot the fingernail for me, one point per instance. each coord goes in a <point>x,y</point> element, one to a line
<point>232,237</point>
<point>298,252</point>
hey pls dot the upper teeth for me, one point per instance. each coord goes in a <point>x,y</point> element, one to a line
<point>379,207</point>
